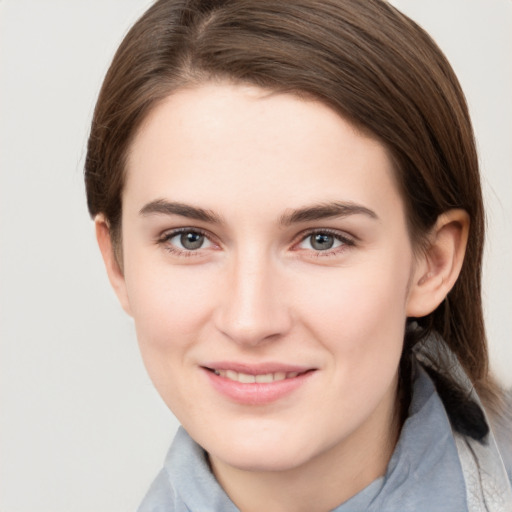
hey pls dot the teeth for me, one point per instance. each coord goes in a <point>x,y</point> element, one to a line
<point>267,377</point>
<point>246,378</point>
<point>230,374</point>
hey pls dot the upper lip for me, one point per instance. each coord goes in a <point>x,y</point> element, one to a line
<point>256,369</point>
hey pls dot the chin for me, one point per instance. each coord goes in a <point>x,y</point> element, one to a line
<point>261,461</point>
<point>262,454</point>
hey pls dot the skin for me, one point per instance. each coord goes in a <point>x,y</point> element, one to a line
<point>257,290</point>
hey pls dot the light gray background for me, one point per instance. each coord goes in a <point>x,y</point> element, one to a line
<point>81,427</point>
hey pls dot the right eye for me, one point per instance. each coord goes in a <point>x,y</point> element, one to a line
<point>186,241</point>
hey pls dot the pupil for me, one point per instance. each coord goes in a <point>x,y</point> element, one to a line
<point>322,241</point>
<point>191,240</point>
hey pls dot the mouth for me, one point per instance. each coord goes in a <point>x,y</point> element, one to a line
<point>261,378</point>
<point>257,384</point>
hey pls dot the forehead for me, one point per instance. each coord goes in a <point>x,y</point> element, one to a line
<point>218,143</point>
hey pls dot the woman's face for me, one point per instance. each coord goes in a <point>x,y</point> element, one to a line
<point>267,265</point>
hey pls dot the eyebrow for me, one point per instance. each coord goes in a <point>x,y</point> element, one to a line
<point>306,214</point>
<point>163,207</point>
<point>326,211</point>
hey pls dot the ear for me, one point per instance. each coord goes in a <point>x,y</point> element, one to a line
<point>114,271</point>
<point>438,266</point>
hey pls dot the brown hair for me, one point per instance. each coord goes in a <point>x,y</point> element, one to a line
<point>363,58</point>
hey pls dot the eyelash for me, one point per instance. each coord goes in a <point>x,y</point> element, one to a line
<point>166,237</point>
<point>346,241</point>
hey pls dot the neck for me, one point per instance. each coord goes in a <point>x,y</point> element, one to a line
<point>324,482</point>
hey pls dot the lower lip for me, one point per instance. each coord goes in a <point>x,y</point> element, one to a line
<point>256,393</point>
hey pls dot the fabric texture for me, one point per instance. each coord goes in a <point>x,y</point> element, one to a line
<point>432,469</point>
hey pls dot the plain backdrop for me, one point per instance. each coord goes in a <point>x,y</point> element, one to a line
<point>81,428</point>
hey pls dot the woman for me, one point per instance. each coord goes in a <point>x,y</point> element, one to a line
<point>287,200</point>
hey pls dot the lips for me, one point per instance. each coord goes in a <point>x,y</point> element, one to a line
<point>256,384</point>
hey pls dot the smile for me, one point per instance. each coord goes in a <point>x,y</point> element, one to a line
<point>246,378</point>
<point>257,384</point>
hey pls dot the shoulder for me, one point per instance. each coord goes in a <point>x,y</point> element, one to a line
<point>160,496</point>
<point>186,483</point>
<point>502,428</point>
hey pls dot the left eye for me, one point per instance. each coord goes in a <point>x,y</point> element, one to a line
<point>321,242</point>
<point>189,240</point>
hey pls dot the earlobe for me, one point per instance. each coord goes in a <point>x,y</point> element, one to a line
<point>439,265</point>
<point>114,271</point>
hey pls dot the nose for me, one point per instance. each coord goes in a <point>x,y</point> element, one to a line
<point>253,309</point>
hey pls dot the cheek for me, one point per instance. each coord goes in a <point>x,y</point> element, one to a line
<point>359,317</point>
<point>359,301</point>
<point>361,324</point>
<point>170,306</point>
